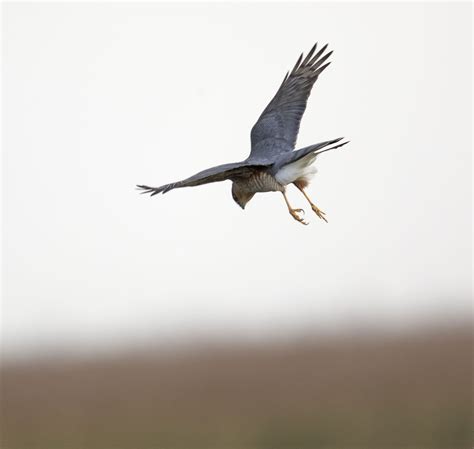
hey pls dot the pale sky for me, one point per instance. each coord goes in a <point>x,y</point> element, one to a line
<point>100,97</point>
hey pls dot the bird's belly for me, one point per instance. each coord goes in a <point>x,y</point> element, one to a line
<point>264,182</point>
<point>301,170</point>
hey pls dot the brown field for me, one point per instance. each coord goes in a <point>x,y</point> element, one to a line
<point>410,391</point>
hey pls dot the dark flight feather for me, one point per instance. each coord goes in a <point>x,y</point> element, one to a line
<point>213,174</point>
<point>277,128</point>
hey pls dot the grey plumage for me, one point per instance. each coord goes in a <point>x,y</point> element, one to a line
<point>213,174</point>
<point>273,137</point>
<point>277,128</point>
<point>292,156</point>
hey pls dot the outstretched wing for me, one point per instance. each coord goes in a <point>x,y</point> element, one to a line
<point>213,174</point>
<point>277,128</point>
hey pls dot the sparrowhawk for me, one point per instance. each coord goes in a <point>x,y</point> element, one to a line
<point>273,162</point>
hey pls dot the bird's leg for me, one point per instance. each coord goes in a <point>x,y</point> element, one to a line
<point>315,208</point>
<point>294,212</point>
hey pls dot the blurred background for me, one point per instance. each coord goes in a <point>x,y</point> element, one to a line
<point>181,321</point>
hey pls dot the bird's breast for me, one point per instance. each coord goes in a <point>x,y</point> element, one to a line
<point>263,181</point>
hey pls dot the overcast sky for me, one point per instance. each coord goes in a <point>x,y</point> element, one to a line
<point>100,97</point>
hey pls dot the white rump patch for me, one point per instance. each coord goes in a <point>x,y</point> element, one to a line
<point>301,169</point>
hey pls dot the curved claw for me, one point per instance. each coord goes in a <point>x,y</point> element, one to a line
<point>294,214</point>
<point>319,213</point>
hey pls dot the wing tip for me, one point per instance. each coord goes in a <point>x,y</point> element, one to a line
<point>341,144</point>
<point>334,146</point>
<point>147,189</point>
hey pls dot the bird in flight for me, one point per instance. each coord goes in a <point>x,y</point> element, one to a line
<point>273,162</point>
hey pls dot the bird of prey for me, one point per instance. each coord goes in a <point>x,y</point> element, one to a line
<point>273,162</point>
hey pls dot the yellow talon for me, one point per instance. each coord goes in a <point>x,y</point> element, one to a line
<point>319,212</point>
<point>294,213</point>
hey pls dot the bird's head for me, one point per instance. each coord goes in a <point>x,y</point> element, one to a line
<point>241,196</point>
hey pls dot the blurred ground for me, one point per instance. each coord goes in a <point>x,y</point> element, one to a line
<point>378,391</point>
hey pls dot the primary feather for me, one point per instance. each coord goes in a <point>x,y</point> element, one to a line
<point>277,128</point>
<point>272,163</point>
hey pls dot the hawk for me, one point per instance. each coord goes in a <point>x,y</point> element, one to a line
<point>273,162</point>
